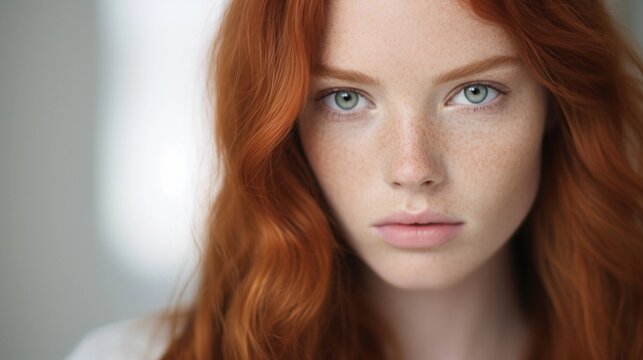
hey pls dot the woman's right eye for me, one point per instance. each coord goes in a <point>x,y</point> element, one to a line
<point>343,101</point>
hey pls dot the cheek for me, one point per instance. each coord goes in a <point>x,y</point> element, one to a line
<point>339,160</point>
<point>501,174</point>
<point>510,171</point>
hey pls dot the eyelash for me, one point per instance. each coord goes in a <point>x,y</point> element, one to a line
<point>502,90</point>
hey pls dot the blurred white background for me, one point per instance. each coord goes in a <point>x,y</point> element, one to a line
<point>104,161</point>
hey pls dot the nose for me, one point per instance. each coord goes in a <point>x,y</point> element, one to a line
<point>415,160</point>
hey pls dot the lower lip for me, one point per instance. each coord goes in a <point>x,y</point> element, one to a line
<point>418,236</point>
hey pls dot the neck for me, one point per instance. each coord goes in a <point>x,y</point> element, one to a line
<point>479,317</point>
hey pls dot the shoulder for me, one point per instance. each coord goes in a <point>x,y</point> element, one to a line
<point>135,339</point>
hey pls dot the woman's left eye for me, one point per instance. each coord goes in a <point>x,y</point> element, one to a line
<point>475,94</point>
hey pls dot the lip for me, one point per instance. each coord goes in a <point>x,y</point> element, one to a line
<point>423,230</point>
<point>424,217</point>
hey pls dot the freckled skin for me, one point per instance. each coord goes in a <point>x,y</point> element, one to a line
<point>411,150</point>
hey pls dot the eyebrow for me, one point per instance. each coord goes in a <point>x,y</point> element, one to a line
<point>479,66</point>
<point>328,71</point>
<point>476,67</point>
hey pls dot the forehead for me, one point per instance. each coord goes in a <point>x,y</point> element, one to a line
<point>408,39</point>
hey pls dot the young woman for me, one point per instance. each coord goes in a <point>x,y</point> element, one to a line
<point>422,180</point>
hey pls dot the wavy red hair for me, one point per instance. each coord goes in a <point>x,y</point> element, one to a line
<point>278,282</point>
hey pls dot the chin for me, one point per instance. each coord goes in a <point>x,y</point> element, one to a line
<point>432,271</point>
<point>414,283</point>
<point>405,276</point>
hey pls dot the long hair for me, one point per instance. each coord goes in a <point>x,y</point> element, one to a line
<point>277,281</point>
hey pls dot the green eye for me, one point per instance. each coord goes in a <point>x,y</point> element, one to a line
<point>346,100</point>
<point>344,103</point>
<point>476,93</point>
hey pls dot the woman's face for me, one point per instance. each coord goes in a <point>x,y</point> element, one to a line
<point>444,119</point>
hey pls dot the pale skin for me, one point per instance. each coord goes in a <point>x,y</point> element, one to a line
<point>408,137</point>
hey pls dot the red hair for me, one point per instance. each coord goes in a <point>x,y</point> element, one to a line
<point>278,281</point>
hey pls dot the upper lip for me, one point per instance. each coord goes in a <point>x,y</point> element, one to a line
<point>424,217</point>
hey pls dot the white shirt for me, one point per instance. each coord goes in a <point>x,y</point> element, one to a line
<point>136,339</point>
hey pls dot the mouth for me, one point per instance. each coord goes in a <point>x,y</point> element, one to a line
<point>418,236</point>
<point>421,224</point>
<point>416,231</point>
<point>425,217</point>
